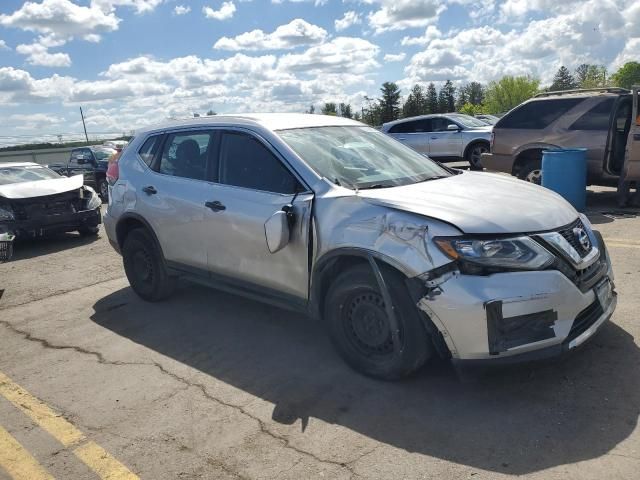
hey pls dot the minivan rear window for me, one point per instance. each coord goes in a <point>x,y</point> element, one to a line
<point>537,115</point>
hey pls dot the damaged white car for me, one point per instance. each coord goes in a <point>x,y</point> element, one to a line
<point>400,257</point>
<point>36,201</point>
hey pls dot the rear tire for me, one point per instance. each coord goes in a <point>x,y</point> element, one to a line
<point>144,267</point>
<point>474,155</point>
<point>360,330</point>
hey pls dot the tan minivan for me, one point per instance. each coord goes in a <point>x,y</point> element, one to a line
<point>596,119</point>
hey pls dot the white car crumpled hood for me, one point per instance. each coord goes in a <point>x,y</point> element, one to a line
<point>41,188</point>
<point>478,202</point>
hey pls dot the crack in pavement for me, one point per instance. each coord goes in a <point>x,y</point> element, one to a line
<point>188,383</point>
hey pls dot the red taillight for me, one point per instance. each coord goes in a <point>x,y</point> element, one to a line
<point>113,171</point>
<point>493,137</point>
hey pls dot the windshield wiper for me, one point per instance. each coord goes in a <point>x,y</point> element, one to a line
<point>376,185</point>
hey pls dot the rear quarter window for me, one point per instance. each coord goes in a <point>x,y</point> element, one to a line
<point>597,118</point>
<point>539,114</point>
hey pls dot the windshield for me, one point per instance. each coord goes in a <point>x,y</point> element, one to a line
<point>30,173</point>
<point>360,157</point>
<point>103,155</point>
<point>468,121</point>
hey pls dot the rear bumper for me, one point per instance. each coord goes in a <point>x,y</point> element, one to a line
<point>55,224</point>
<point>497,162</point>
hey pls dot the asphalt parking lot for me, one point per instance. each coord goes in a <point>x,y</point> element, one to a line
<point>96,383</point>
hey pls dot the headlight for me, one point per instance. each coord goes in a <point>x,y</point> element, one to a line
<point>6,214</point>
<point>520,253</point>
<point>93,201</point>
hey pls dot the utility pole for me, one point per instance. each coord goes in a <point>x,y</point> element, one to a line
<point>85,127</point>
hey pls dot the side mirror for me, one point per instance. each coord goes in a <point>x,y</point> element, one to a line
<point>452,127</point>
<point>276,231</point>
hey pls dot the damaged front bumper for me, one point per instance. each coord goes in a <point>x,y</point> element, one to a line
<point>50,224</point>
<point>518,316</point>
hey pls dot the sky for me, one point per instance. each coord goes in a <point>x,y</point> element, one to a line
<point>130,63</point>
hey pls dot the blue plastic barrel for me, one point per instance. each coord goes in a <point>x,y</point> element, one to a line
<point>564,170</point>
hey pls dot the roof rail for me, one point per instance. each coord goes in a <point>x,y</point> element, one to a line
<point>583,90</point>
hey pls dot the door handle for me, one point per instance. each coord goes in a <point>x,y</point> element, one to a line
<point>150,190</point>
<point>215,206</point>
<point>401,138</point>
<point>434,138</point>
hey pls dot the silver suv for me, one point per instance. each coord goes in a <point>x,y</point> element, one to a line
<point>453,136</point>
<point>395,253</point>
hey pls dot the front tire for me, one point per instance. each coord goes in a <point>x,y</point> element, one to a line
<point>474,155</point>
<point>144,267</point>
<point>103,189</point>
<point>360,329</point>
<point>531,171</point>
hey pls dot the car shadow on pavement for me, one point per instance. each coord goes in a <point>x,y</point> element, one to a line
<point>35,247</point>
<point>514,421</point>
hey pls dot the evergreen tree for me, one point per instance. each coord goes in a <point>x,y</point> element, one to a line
<point>443,102</point>
<point>390,102</point>
<point>563,80</point>
<point>462,99</point>
<point>432,99</point>
<point>475,93</point>
<point>415,103</point>
<point>450,94</point>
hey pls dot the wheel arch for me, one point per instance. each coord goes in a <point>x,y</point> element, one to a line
<point>526,153</point>
<point>130,221</point>
<point>473,143</point>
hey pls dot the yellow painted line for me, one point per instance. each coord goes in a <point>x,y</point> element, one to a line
<point>626,241</point>
<point>17,462</point>
<point>622,245</point>
<point>94,456</point>
<point>40,413</point>
<point>99,460</point>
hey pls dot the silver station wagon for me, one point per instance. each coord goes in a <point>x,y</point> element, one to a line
<point>401,258</point>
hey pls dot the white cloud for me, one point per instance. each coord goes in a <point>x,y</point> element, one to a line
<point>181,10</point>
<point>62,18</point>
<point>34,121</point>
<point>3,45</point>
<point>430,34</point>
<point>141,6</point>
<point>342,54</point>
<point>394,57</point>
<point>226,11</point>
<point>402,14</point>
<point>349,19</point>
<point>38,54</point>
<point>296,33</point>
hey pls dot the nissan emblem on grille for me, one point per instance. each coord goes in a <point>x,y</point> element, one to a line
<point>582,238</point>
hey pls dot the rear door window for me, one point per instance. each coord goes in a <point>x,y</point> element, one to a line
<point>538,114</point>
<point>414,126</point>
<point>185,155</point>
<point>598,118</point>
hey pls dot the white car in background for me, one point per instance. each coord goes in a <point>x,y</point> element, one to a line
<point>451,136</point>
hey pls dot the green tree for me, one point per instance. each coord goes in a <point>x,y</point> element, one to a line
<point>329,109</point>
<point>471,109</point>
<point>591,76</point>
<point>345,110</point>
<point>462,99</point>
<point>211,113</point>
<point>371,113</point>
<point>390,102</point>
<point>449,94</point>
<point>627,76</point>
<point>563,80</point>
<point>416,103</point>
<point>432,99</point>
<point>509,92</point>
<point>475,93</point>
<point>312,109</point>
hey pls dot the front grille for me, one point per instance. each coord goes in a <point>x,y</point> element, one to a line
<point>45,206</point>
<point>569,236</point>
<point>584,320</point>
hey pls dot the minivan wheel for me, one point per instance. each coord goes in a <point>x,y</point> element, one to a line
<point>360,329</point>
<point>145,268</point>
<point>103,188</point>
<point>474,155</point>
<point>531,172</point>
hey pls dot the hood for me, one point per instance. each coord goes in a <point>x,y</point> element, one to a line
<point>478,202</point>
<point>41,188</point>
